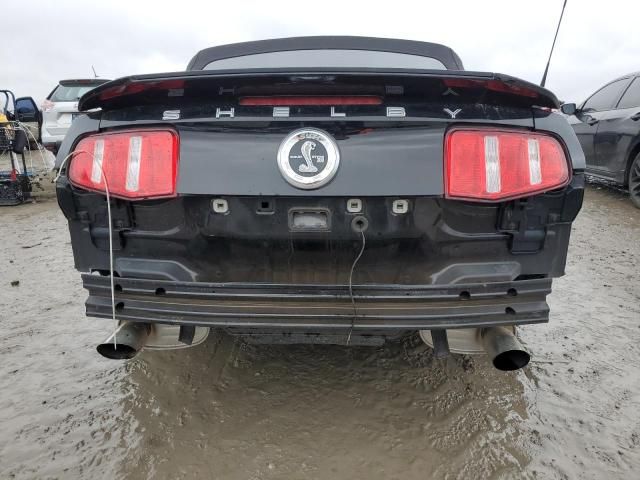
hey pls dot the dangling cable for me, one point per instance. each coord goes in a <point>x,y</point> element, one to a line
<point>27,130</point>
<point>110,224</point>
<point>113,290</point>
<point>353,300</point>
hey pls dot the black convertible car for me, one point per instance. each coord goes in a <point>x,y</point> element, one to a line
<point>608,127</point>
<point>336,190</point>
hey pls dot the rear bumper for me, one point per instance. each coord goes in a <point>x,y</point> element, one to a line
<point>321,307</point>
<point>442,265</point>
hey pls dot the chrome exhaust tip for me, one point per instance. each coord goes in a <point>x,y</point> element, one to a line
<point>504,349</point>
<point>129,339</point>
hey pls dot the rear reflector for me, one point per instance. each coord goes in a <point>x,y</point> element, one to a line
<point>495,165</point>
<point>139,164</point>
<point>293,100</point>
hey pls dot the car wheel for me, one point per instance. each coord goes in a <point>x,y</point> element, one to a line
<point>634,181</point>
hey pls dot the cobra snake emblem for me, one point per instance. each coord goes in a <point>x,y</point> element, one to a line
<point>308,167</point>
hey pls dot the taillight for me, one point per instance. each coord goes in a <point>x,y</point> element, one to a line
<point>495,165</point>
<point>47,105</point>
<point>139,164</point>
<point>295,100</point>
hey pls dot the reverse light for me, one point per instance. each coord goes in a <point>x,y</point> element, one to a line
<point>495,165</point>
<point>140,164</point>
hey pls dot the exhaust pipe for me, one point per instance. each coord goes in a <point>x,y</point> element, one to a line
<point>129,339</point>
<point>504,349</point>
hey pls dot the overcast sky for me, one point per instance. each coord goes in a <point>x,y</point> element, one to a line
<point>42,42</point>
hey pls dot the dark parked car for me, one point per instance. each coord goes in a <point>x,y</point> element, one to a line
<point>321,190</point>
<point>608,127</point>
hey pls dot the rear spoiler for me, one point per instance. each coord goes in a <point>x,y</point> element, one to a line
<point>173,88</point>
<point>83,82</point>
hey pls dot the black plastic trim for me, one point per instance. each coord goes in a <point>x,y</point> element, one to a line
<point>312,307</point>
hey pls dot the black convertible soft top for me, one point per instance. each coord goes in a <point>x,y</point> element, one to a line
<point>444,54</point>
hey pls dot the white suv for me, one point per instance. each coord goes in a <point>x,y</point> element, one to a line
<point>61,107</point>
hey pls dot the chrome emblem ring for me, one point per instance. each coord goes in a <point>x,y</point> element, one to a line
<point>308,158</point>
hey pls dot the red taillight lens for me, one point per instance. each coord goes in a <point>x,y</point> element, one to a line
<point>138,164</point>
<point>496,165</point>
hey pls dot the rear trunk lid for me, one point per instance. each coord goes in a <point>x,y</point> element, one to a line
<point>58,118</point>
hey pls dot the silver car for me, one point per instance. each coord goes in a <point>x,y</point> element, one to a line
<point>61,107</point>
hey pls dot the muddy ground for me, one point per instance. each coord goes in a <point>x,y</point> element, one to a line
<point>225,410</point>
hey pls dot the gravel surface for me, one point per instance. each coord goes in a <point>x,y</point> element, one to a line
<point>227,410</point>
